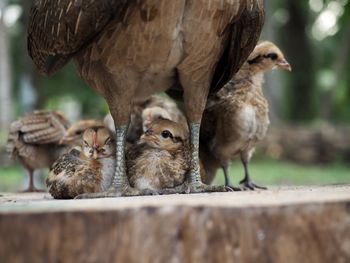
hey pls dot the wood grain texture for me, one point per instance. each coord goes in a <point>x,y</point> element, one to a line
<point>288,225</point>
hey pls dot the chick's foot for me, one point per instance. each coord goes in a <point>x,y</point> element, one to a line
<point>32,190</point>
<point>249,185</point>
<point>192,188</point>
<point>126,190</point>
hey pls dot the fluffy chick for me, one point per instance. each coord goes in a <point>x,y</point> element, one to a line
<point>34,141</point>
<point>160,159</point>
<point>145,112</point>
<point>87,171</point>
<point>75,132</point>
<point>237,117</point>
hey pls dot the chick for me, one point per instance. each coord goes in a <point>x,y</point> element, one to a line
<point>161,158</point>
<point>145,112</point>
<point>87,171</point>
<point>75,132</point>
<point>237,117</point>
<point>33,140</point>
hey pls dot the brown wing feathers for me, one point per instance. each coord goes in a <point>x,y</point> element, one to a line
<point>39,128</point>
<point>60,28</point>
<point>244,34</point>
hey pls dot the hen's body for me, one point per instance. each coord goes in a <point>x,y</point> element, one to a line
<point>129,50</point>
<point>34,141</point>
<point>237,117</point>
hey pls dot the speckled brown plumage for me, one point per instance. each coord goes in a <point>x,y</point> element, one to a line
<point>236,118</point>
<point>158,161</point>
<point>129,50</point>
<point>34,140</point>
<point>145,112</point>
<point>88,170</point>
<point>75,132</point>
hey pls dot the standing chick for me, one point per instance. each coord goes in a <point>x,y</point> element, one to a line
<point>237,117</point>
<point>34,141</point>
<point>160,160</point>
<point>87,171</point>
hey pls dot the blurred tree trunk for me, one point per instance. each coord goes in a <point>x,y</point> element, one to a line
<point>340,69</point>
<point>30,79</point>
<point>301,95</point>
<point>272,88</point>
<point>5,74</point>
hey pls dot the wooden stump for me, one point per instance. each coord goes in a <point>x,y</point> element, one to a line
<point>279,225</point>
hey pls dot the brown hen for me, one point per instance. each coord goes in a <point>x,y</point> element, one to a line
<point>129,50</point>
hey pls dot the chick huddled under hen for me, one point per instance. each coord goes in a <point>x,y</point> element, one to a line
<point>161,158</point>
<point>89,170</point>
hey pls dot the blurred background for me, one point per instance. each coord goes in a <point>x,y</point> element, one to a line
<point>309,138</point>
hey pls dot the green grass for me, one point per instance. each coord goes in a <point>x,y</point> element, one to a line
<point>10,178</point>
<point>272,172</point>
<point>265,172</point>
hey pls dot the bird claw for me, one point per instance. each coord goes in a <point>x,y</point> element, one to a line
<point>249,185</point>
<point>234,188</point>
<point>203,188</point>
<point>32,190</point>
<point>191,188</point>
<point>112,192</point>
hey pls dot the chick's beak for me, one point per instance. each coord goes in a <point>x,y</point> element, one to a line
<point>283,64</point>
<point>95,153</point>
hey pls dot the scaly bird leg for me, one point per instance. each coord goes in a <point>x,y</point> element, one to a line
<point>247,183</point>
<point>120,185</point>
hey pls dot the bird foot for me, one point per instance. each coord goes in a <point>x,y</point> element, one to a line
<point>234,188</point>
<point>126,190</point>
<point>198,187</point>
<point>249,185</point>
<point>32,190</point>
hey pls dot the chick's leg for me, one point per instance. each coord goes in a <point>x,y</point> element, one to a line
<point>228,183</point>
<point>247,183</point>
<point>31,188</point>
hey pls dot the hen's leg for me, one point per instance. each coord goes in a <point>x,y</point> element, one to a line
<point>247,183</point>
<point>195,96</point>
<point>119,100</point>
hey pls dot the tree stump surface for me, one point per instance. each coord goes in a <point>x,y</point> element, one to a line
<point>286,224</point>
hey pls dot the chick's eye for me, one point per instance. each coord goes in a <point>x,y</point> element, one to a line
<point>166,134</point>
<point>78,132</point>
<point>272,56</point>
<point>108,141</point>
